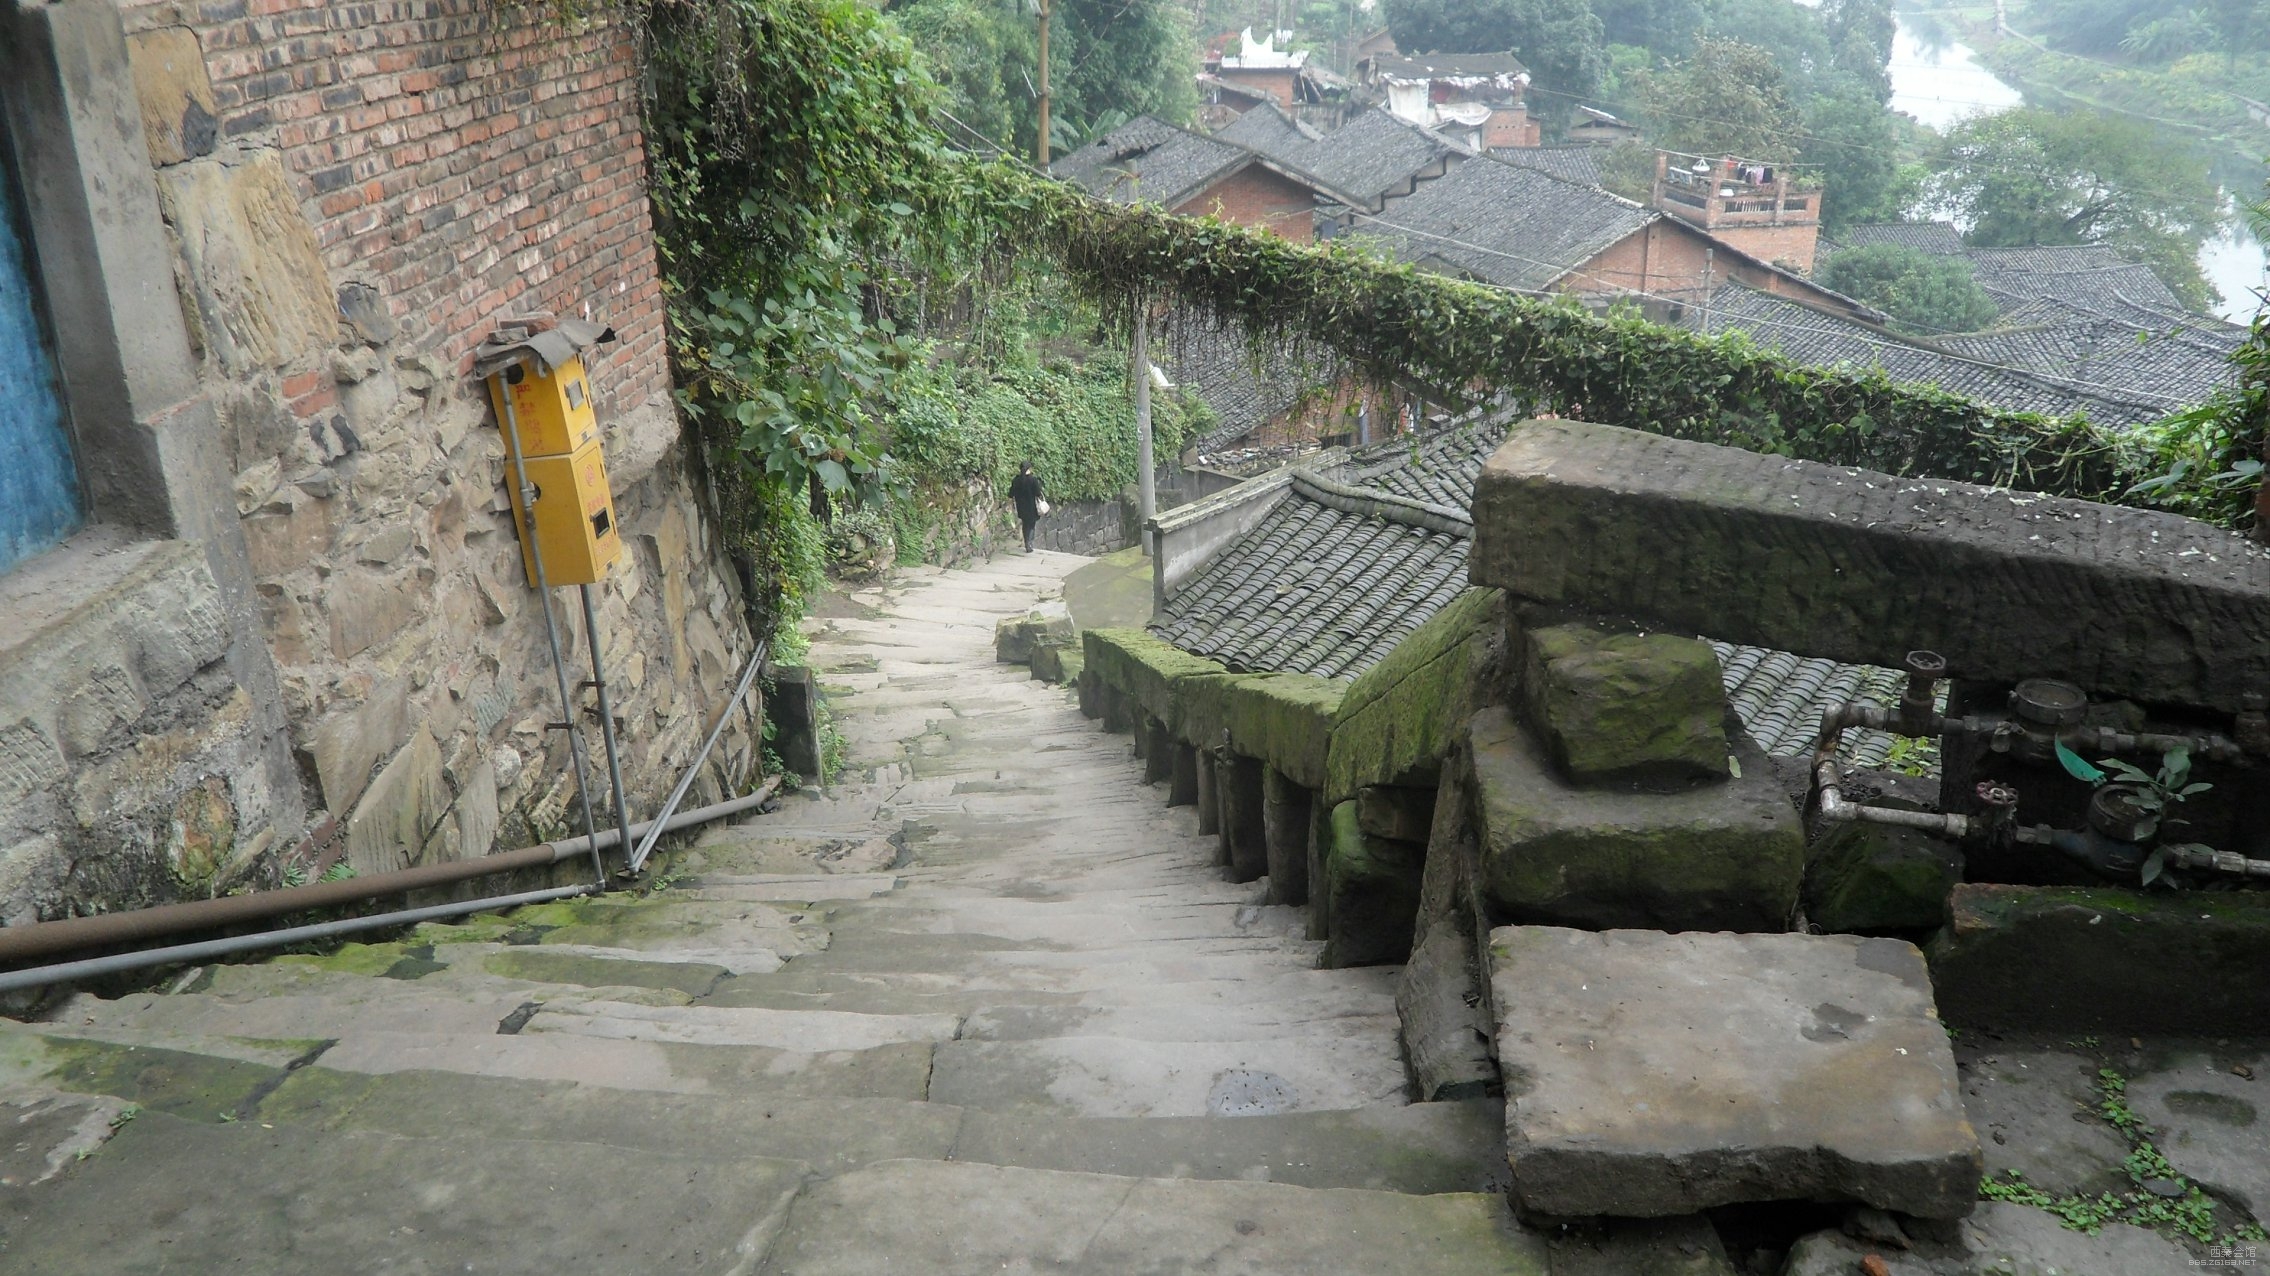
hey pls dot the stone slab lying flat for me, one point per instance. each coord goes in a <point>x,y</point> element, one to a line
<point>1726,856</point>
<point>1862,567</point>
<point>1123,1077</point>
<point>1419,1149</point>
<point>1649,1074</point>
<point>953,1219</point>
<point>288,1201</point>
<point>2007,1240</point>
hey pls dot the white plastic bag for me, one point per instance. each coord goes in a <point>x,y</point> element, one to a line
<point>1042,506</point>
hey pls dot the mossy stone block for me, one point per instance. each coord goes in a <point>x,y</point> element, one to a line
<point>1614,707</point>
<point>2077,958</point>
<point>1720,857</point>
<point>1373,884</point>
<point>1401,717</point>
<point>1143,668</point>
<point>1871,878</point>
<point>1285,720</point>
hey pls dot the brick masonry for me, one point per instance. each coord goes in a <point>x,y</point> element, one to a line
<point>357,193</point>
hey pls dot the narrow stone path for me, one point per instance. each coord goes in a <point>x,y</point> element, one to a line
<point>985,1006</point>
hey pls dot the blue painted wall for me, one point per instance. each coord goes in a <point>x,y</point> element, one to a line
<point>39,486</point>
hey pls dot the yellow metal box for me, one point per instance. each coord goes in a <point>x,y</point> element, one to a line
<point>552,411</point>
<point>575,517</point>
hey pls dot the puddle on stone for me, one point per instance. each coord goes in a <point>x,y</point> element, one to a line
<point>1245,1092</point>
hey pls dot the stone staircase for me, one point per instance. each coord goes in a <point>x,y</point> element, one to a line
<point>986,1007</point>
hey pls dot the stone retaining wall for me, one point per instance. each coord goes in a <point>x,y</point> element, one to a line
<point>353,196</point>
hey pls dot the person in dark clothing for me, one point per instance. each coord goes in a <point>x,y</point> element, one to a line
<point>1025,491</point>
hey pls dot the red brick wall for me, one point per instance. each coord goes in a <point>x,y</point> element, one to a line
<point>1277,84</point>
<point>1669,258</point>
<point>1510,130</point>
<point>1255,196</point>
<point>468,159</point>
<point>1790,246</point>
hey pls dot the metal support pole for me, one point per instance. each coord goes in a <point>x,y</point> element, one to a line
<point>551,630</point>
<point>661,821</point>
<point>1040,147</point>
<point>1146,494</point>
<point>606,714</point>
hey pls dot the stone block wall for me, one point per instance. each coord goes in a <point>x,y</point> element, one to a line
<point>354,195</point>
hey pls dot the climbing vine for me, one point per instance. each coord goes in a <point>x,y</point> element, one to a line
<point>815,224</point>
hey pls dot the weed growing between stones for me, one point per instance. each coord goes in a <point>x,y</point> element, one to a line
<point>2162,1199</point>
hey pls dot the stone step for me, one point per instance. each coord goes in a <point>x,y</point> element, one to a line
<point>1320,992</point>
<point>1249,1022</point>
<point>802,888</point>
<point>1074,924</point>
<point>1422,1148</point>
<point>287,1200</point>
<point>807,1031</point>
<point>953,1219</point>
<point>1124,1077</point>
<point>892,1070</point>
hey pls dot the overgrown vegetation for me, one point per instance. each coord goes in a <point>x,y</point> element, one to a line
<point>1924,293</point>
<point>2159,1198</point>
<point>833,263</point>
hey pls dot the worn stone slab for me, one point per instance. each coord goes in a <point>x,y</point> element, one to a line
<point>2090,959</point>
<point>830,1134</point>
<point>1612,707</point>
<point>1862,567</point>
<point>1873,878</point>
<point>1284,719</point>
<point>806,1031</point>
<point>1718,857</point>
<point>1143,668</point>
<point>2022,1100</point>
<point>1651,1074</point>
<point>1421,1148</point>
<point>2005,1240</point>
<point>951,1219</point>
<point>43,1133</point>
<point>1119,1076</point>
<point>293,1200</point>
<point>2211,1117</point>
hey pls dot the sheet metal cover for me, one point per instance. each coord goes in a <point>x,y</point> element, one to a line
<point>513,342</point>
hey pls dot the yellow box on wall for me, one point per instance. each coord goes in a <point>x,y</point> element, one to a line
<point>575,517</point>
<point>551,410</point>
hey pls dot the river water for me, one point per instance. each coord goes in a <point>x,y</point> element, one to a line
<point>1941,82</point>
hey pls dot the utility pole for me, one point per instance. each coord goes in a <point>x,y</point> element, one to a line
<point>1139,354</point>
<point>1042,144</point>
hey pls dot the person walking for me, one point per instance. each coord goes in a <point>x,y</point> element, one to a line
<point>1025,491</point>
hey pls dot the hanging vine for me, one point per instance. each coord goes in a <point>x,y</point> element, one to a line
<point>808,204</point>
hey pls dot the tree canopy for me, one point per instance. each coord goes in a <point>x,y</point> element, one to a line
<point>2030,176</point>
<point>1924,293</point>
<point>1109,60</point>
<point>1728,98</point>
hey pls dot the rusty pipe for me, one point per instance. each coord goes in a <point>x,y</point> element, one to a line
<point>44,939</point>
<point>1834,807</point>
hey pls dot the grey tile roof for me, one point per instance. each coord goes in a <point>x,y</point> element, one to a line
<point>1146,161</point>
<point>2090,276</point>
<point>1327,585</point>
<point>1505,224</point>
<point>1815,337</point>
<point>1268,130</point>
<point>1939,238</point>
<point>1577,162</point>
<point>1315,589</point>
<point>1220,367</point>
<point>1371,156</point>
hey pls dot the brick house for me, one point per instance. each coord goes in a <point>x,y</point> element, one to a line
<point>1150,162</point>
<point>284,618</point>
<point>1479,98</point>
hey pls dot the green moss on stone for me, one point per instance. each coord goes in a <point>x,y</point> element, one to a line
<point>1616,706</point>
<point>1399,720</point>
<point>179,1083</point>
<point>352,959</point>
<point>537,965</point>
<point>1374,888</point>
<point>1285,720</point>
<point>1143,668</point>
